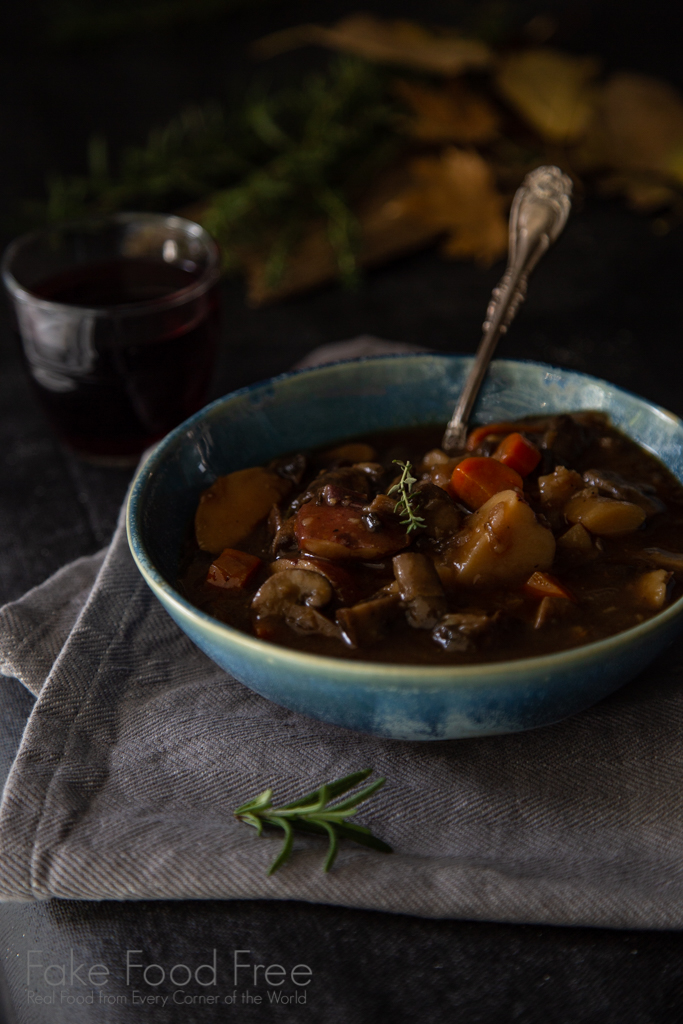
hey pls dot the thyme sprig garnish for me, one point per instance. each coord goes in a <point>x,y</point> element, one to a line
<point>407,503</point>
<point>314,815</point>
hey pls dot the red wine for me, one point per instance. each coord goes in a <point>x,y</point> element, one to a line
<point>129,374</point>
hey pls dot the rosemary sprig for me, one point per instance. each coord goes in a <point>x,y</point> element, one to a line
<point>263,173</point>
<point>407,503</point>
<point>313,814</point>
<point>326,139</point>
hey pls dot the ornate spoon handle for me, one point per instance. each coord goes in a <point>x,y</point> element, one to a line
<point>538,214</point>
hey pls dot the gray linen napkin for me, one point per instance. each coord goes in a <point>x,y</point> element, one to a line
<point>139,748</point>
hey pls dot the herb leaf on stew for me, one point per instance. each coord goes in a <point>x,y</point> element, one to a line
<point>406,505</point>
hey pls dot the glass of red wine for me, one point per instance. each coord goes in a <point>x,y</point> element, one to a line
<point>119,321</point>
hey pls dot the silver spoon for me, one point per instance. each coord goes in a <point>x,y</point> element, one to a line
<point>538,214</point>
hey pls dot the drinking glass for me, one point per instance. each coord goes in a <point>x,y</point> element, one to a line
<point>118,319</point>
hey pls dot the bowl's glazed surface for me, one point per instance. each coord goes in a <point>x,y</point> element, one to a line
<point>316,407</point>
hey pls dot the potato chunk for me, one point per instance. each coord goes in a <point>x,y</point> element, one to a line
<point>556,488</point>
<point>459,632</point>
<point>652,588</point>
<point>502,543</point>
<point>604,517</point>
<point>576,543</point>
<point>234,504</point>
<point>437,467</point>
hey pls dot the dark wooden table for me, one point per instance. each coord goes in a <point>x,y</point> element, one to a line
<point>606,301</point>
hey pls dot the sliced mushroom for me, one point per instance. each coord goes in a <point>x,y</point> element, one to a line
<point>284,565</point>
<point>382,505</point>
<point>388,590</point>
<point>342,581</point>
<point>420,589</point>
<point>381,513</point>
<point>457,633</point>
<point>366,623</point>
<point>334,494</point>
<point>296,586</point>
<point>294,597</point>
<point>566,438</point>
<point>374,471</point>
<point>361,478</point>
<point>666,559</point>
<point>284,537</point>
<point>290,467</point>
<point>615,486</point>
<point>439,512</point>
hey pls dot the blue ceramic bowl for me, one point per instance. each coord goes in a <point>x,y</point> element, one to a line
<point>323,405</point>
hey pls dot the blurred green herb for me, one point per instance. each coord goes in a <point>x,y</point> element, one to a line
<point>263,174</point>
<point>404,505</point>
<point>313,814</point>
<point>194,154</point>
<point>326,140</point>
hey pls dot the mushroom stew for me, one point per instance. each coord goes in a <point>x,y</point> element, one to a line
<point>546,534</point>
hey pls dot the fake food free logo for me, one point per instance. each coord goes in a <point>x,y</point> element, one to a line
<point>138,981</point>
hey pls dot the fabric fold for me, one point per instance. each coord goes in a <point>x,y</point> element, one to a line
<point>139,748</point>
<point>35,628</point>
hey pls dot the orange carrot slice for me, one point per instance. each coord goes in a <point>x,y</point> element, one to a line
<point>480,434</point>
<point>542,584</point>
<point>232,569</point>
<point>477,479</point>
<point>518,453</point>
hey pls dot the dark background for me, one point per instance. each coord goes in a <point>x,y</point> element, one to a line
<point>607,300</point>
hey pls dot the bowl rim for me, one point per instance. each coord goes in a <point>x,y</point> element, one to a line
<point>378,672</point>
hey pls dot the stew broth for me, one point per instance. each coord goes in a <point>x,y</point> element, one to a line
<point>598,528</point>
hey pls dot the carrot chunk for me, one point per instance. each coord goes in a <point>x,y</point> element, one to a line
<point>542,584</point>
<point>518,453</point>
<point>477,479</point>
<point>232,569</point>
<point>480,434</point>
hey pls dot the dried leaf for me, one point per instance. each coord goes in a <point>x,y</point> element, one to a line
<point>386,231</point>
<point>641,120</point>
<point>552,91</point>
<point>394,42</point>
<point>643,193</point>
<point>455,192</point>
<point>309,264</point>
<point>451,114</point>
<point>637,135</point>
